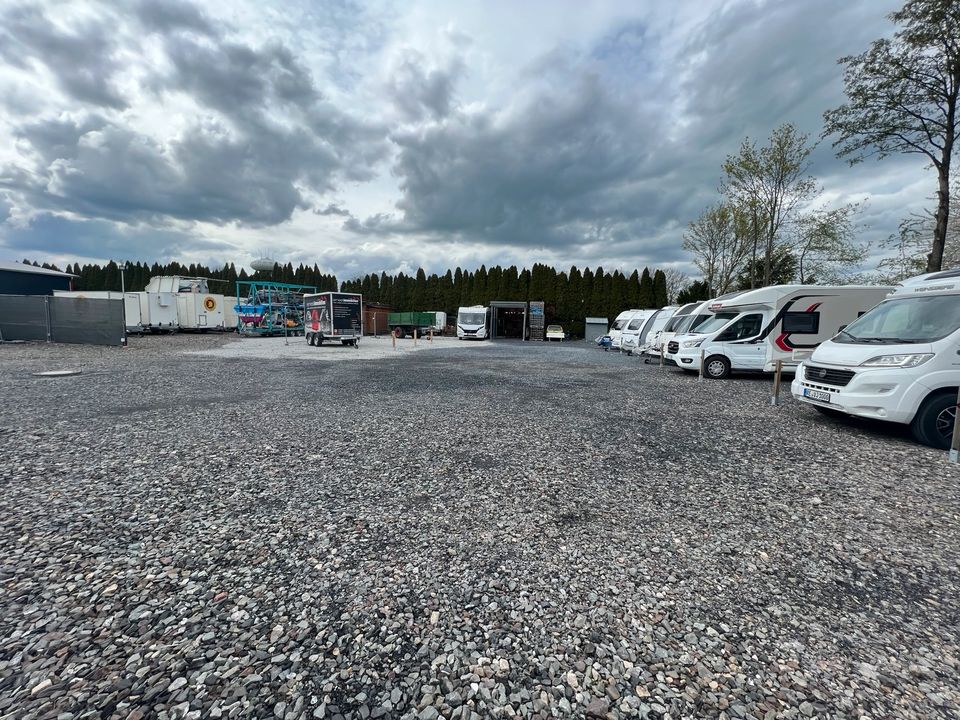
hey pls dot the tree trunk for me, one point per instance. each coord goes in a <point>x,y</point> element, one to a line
<point>935,258</point>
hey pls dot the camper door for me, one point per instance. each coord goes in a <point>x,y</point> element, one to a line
<point>741,342</point>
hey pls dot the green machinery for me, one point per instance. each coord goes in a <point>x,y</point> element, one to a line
<point>270,308</point>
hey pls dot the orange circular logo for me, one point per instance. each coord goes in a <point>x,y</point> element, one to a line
<point>210,304</point>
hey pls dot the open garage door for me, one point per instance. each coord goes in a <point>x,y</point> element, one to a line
<point>509,320</point>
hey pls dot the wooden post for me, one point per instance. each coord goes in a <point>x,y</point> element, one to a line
<point>702,358</point>
<point>415,337</point>
<point>955,444</point>
<point>431,334</point>
<point>393,336</point>
<point>775,398</point>
<point>663,351</point>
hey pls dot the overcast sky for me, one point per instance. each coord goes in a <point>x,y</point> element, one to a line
<point>386,136</point>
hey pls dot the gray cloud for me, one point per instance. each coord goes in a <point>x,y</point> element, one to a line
<point>421,93</point>
<point>332,209</point>
<point>268,139</point>
<point>83,62</point>
<point>172,15</point>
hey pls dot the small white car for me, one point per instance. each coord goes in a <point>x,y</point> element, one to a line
<point>555,332</point>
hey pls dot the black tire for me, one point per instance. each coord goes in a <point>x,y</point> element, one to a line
<point>933,423</point>
<point>319,339</point>
<point>716,367</point>
<point>310,339</point>
<point>829,412</point>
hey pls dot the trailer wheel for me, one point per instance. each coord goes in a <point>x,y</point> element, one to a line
<point>716,367</point>
<point>933,423</point>
<point>319,340</point>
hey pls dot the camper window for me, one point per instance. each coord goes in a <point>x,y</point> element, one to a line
<point>746,327</point>
<point>801,322</point>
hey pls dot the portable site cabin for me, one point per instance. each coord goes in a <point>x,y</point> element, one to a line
<point>752,330</point>
<point>594,327</point>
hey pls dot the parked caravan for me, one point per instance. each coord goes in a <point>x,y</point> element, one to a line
<point>630,334</point>
<point>200,311</point>
<point>131,303</point>
<point>647,342</point>
<point>753,329</point>
<point>619,324</point>
<point>899,362</point>
<point>670,329</point>
<point>473,323</point>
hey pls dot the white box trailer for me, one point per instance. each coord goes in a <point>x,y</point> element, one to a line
<point>333,317</point>
<point>200,311</point>
<point>131,303</point>
<point>754,329</point>
<point>158,311</point>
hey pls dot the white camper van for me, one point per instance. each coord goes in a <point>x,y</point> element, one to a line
<point>900,362</point>
<point>473,323</point>
<point>629,336</point>
<point>753,329</point>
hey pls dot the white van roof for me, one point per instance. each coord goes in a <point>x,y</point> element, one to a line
<point>773,294</point>
<point>946,282</point>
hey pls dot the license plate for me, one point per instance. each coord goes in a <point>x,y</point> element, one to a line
<point>816,395</point>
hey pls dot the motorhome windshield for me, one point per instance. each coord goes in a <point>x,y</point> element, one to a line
<point>903,321</point>
<point>696,321</point>
<point>716,322</point>
<point>471,318</point>
<point>674,323</point>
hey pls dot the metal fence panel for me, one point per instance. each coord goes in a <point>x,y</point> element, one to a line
<point>86,320</point>
<point>23,317</point>
<point>61,319</point>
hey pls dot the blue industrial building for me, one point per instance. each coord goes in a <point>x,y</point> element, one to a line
<point>21,279</point>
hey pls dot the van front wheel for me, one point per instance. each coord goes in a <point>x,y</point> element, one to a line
<point>933,423</point>
<point>716,367</point>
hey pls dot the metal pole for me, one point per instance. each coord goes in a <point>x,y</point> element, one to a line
<point>955,444</point>
<point>775,398</point>
<point>123,301</point>
<point>702,357</point>
<point>46,305</point>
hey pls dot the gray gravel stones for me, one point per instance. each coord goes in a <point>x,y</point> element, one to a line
<point>525,531</point>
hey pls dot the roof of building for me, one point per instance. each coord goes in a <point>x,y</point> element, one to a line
<point>21,267</point>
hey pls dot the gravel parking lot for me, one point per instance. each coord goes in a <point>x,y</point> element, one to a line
<point>530,531</point>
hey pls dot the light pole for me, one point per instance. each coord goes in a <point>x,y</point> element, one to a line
<point>123,301</point>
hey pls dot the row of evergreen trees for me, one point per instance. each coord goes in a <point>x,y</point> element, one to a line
<point>569,296</point>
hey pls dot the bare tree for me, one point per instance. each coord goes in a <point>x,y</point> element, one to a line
<point>902,96</point>
<point>771,183</point>
<point>677,282</point>
<point>718,250</point>
<point>910,245</point>
<point>825,245</point>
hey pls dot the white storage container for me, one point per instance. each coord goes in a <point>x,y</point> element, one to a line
<point>158,311</point>
<point>200,311</point>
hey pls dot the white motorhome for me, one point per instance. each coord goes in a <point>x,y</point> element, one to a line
<point>619,324</point>
<point>900,362</point>
<point>754,329</point>
<point>630,334</point>
<point>473,323</point>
